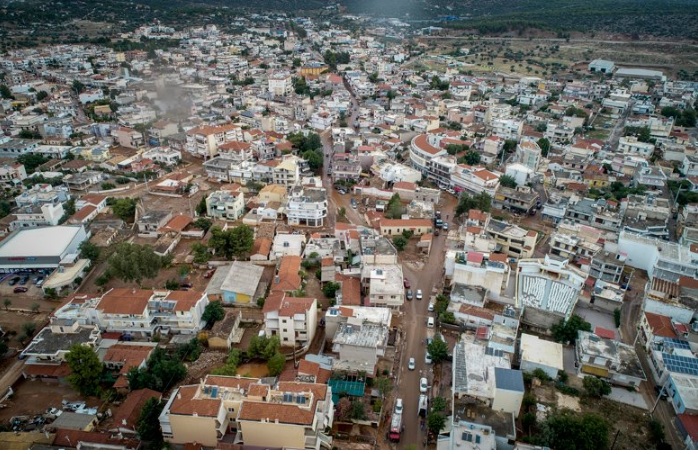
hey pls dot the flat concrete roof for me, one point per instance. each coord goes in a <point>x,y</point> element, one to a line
<point>39,242</point>
<point>541,351</point>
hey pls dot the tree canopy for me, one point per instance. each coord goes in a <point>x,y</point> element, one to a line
<point>482,202</point>
<point>570,431</point>
<point>508,181</point>
<point>85,369</point>
<point>135,262</point>
<point>438,349</point>
<point>236,242</point>
<point>394,208</point>
<point>124,209</point>
<point>305,143</point>
<point>214,312</point>
<point>315,159</point>
<point>148,425</point>
<point>565,332</point>
<point>161,372</point>
<point>595,387</point>
<point>263,347</point>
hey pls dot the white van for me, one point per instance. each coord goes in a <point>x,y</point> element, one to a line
<point>430,322</point>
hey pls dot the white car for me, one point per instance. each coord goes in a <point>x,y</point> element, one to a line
<point>419,294</point>
<point>431,307</point>
<point>423,385</point>
<point>427,358</point>
<point>398,407</point>
<point>411,364</point>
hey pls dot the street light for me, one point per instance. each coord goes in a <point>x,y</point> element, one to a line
<point>661,393</point>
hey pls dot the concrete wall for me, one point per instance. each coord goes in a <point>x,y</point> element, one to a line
<point>539,318</point>
<point>273,435</point>
<point>528,366</point>
<point>192,429</point>
<point>508,401</point>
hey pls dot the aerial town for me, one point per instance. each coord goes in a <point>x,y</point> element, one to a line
<point>305,236</point>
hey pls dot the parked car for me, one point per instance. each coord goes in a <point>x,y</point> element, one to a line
<point>431,307</point>
<point>39,283</point>
<point>13,281</point>
<point>436,233</point>
<point>419,294</point>
<point>427,358</point>
<point>342,191</point>
<point>23,280</point>
<point>20,290</point>
<point>186,285</point>
<point>398,407</point>
<point>411,364</point>
<point>406,283</point>
<point>445,226</point>
<point>423,385</point>
<point>409,294</point>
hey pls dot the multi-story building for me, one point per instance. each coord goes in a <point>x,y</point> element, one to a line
<point>280,84</point>
<point>528,153</point>
<point>293,320</point>
<point>595,213</point>
<point>203,141</point>
<point>423,149</point>
<point>245,411</point>
<point>660,259</point>
<point>489,271</point>
<point>522,199</point>
<point>547,290</point>
<point>37,216</point>
<point>41,194</point>
<point>507,128</point>
<point>136,313</point>
<point>287,172</point>
<point>228,205</point>
<point>513,240</point>
<point>307,206</point>
<point>630,145</point>
<point>474,180</point>
<point>383,285</point>
<point>12,173</point>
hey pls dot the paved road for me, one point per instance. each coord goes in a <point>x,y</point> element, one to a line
<point>414,333</point>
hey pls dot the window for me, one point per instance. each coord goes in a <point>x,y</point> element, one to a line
<point>285,339</point>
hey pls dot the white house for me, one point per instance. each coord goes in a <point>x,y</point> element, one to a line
<point>294,320</point>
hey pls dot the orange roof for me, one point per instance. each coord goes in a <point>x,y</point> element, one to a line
<point>234,146</point>
<point>660,325</point>
<point>285,413</point>
<point>273,301</point>
<point>230,382</point>
<point>83,213</point>
<point>688,282</point>
<point>405,185</point>
<point>71,438</point>
<point>186,300</point>
<point>258,390</point>
<point>261,246</point>
<point>127,414</point>
<point>208,130</point>
<point>498,257</point>
<point>125,301</point>
<point>93,199</point>
<point>485,174</point>
<point>49,370</point>
<point>423,144</point>
<point>186,404</point>
<point>351,291</point>
<point>288,278</point>
<point>177,223</point>
<point>475,311</point>
<point>293,306</point>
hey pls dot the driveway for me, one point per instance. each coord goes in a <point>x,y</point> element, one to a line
<point>597,319</point>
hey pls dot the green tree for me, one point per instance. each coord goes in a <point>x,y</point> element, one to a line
<point>78,86</point>
<point>161,372</point>
<point>595,387</point>
<point>570,431</point>
<point>135,262</point>
<point>616,316</point>
<point>7,303</point>
<point>330,289</point>
<point>509,146</point>
<point>31,161</point>
<point>472,158</point>
<point>508,181</point>
<point>438,349</point>
<point>436,421</point>
<point>214,312</point>
<point>203,224</point>
<point>85,369</point>
<point>384,385</point>
<point>5,92</point>
<point>394,208</point>
<point>482,202</point>
<point>544,145</point>
<point>438,404</point>
<point>89,251</point>
<point>231,364</point>
<point>41,95</point>
<point>148,425</point>
<point>124,209</point>
<point>315,159</point>
<point>358,410</point>
<point>263,347</point>
<point>276,364</point>
<point>235,242</point>
<point>399,242</point>
<point>566,332</point>
<point>441,305</point>
<point>201,253</point>
<point>201,207</point>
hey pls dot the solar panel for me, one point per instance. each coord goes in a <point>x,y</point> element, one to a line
<point>681,364</point>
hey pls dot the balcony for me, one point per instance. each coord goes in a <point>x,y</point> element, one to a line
<point>312,442</point>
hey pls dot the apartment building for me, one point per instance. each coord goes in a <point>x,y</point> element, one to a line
<point>203,141</point>
<point>228,205</point>
<point>599,213</point>
<point>383,285</point>
<point>307,207</point>
<point>522,199</point>
<point>287,172</point>
<point>513,240</point>
<point>280,84</point>
<point>293,320</point>
<point>474,180</point>
<point>249,412</point>
<point>489,271</point>
<point>424,148</point>
<point>136,313</point>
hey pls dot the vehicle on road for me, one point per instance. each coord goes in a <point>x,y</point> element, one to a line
<point>419,294</point>
<point>353,203</point>
<point>411,364</point>
<point>423,385</point>
<point>395,427</point>
<point>431,307</point>
<point>406,283</point>
<point>445,226</point>
<point>13,281</point>
<point>398,407</point>
<point>423,403</point>
<point>40,282</point>
<point>342,191</point>
<point>436,233</point>
<point>427,358</point>
<point>20,290</point>
<point>409,294</point>
<point>430,322</point>
<point>23,280</point>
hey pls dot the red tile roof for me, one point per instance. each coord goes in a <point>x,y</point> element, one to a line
<point>125,301</point>
<point>660,325</point>
<point>127,414</point>
<point>288,278</point>
<point>605,333</point>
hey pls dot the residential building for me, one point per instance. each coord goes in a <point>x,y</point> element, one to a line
<point>229,205</point>
<point>659,258</point>
<point>528,153</point>
<point>608,266</point>
<point>513,240</point>
<point>394,227</point>
<point>36,216</point>
<point>522,199</point>
<point>12,174</point>
<point>280,84</point>
<point>609,359</point>
<point>287,278</point>
<point>631,145</point>
<point>359,343</point>
<point>152,221</point>
<point>547,290</point>
<point>383,286</point>
<point>488,271</point>
<point>307,207</point>
<point>424,148</point>
<point>203,141</point>
<point>536,353</point>
<point>287,172</point>
<point>293,320</point>
<point>595,213</point>
<point>474,180</point>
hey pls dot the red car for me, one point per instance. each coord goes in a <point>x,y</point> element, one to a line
<point>406,283</point>
<point>208,274</point>
<point>20,289</point>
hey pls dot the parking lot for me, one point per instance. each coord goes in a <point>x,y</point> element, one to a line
<point>10,283</point>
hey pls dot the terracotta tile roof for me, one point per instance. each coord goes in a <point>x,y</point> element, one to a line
<point>423,144</point>
<point>70,438</point>
<point>186,300</point>
<point>502,258</point>
<point>605,333</point>
<point>230,382</point>
<point>261,246</point>
<point>285,413</point>
<point>258,390</point>
<point>308,368</point>
<point>476,312</point>
<point>690,425</point>
<point>351,291</point>
<point>83,213</point>
<point>406,185</point>
<point>485,174</point>
<point>318,390</point>
<point>273,301</point>
<point>234,146</point>
<point>477,215</point>
<point>292,306</point>
<point>660,325</point>
<point>185,404</point>
<point>475,257</point>
<point>125,301</point>
<point>48,370</point>
<point>288,278</point>
<point>473,229</point>
<point>127,414</point>
<point>208,130</point>
<point>93,199</point>
<point>177,223</point>
<point>128,355</point>
<point>327,261</point>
